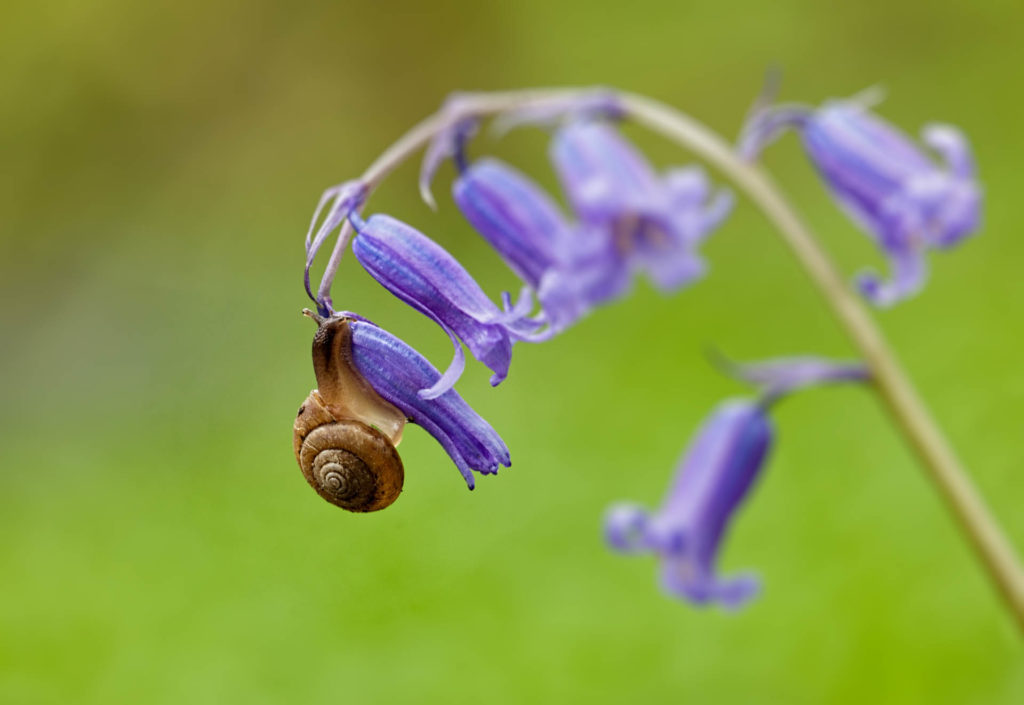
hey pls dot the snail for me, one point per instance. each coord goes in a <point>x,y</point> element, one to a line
<point>345,434</point>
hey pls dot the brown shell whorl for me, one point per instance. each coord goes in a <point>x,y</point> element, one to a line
<point>348,463</point>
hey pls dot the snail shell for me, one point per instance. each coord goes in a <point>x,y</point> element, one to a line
<point>349,464</point>
<point>345,433</point>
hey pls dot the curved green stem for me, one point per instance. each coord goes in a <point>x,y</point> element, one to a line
<point>905,406</point>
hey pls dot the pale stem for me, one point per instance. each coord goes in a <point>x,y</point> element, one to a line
<point>892,383</point>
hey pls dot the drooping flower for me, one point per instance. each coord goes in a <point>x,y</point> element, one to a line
<point>686,532</point>
<point>571,268</point>
<point>655,221</point>
<point>396,371</point>
<point>424,275</point>
<point>885,182</point>
<point>718,470</point>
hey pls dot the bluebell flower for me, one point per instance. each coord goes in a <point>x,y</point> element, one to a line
<point>885,182</point>
<point>715,475</point>
<point>424,275</point>
<point>656,222</point>
<point>572,268</point>
<point>396,371</point>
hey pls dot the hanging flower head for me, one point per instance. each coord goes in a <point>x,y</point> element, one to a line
<point>655,222</point>
<point>886,182</point>
<point>714,477</point>
<point>424,275</point>
<point>396,371</point>
<point>571,268</point>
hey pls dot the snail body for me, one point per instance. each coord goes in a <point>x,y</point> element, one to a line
<point>345,434</point>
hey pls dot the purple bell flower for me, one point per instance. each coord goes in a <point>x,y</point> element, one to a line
<point>424,275</point>
<point>656,222</point>
<point>885,182</point>
<point>714,477</point>
<point>396,371</point>
<point>572,269</point>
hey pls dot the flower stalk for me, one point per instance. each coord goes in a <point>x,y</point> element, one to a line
<point>905,406</point>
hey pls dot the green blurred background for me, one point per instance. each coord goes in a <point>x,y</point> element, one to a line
<point>158,543</point>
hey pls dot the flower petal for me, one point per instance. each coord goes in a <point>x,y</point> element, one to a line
<point>518,219</point>
<point>624,526</point>
<point>396,371</point>
<point>655,222</point>
<point>420,272</point>
<point>952,144</point>
<point>603,175</point>
<point>699,587</point>
<point>909,270</point>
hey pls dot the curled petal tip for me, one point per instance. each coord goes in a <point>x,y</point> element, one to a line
<point>876,291</point>
<point>703,589</point>
<point>952,145</point>
<point>624,528</point>
<point>907,279</point>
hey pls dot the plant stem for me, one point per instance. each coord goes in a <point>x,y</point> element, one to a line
<point>894,387</point>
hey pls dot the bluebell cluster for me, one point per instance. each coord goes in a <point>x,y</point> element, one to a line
<point>626,219</point>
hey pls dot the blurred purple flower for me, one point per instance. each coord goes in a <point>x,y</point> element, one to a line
<point>572,269</point>
<point>655,222</point>
<point>424,275</point>
<point>885,182</point>
<point>396,371</point>
<point>715,475</point>
<point>721,465</point>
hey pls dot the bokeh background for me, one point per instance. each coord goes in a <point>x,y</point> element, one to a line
<point>158,544</point>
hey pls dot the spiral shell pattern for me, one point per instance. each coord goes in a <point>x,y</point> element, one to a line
<point>349,464</point>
